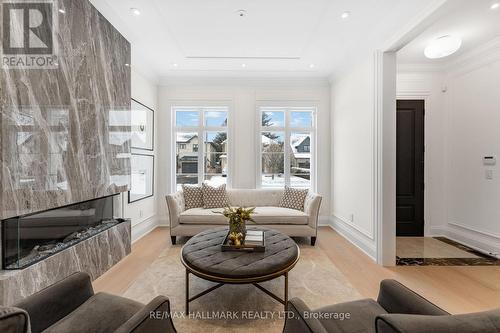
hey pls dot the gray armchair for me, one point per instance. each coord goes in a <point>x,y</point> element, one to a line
<point>70,305</point>
<point>397,310</point>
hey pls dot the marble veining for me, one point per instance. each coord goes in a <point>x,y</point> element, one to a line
<point>94,256</point>
<point>65,132</point>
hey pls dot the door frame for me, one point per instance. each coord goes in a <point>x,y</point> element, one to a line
<point>384,134</point>
<point>423,97</point>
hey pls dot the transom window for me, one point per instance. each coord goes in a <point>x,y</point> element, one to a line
<point>201,144</point>
<point>286,137</point>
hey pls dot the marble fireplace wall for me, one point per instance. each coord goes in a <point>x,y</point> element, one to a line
<point>94,256</point>
<point>65,132</point>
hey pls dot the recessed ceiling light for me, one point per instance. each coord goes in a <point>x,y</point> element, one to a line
<point>241,12</point>
<point>442,47</point>
<point>62,11</point>
<point>243,65</point>
<point>345,15</point>
<point>311,66</point>
<point>495,5</point>
<point>175,65</point>
<point>135,11</point>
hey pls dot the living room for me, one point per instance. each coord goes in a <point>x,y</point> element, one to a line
<point>182,166</point>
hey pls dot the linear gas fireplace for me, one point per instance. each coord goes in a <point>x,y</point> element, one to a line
<point>29,239</point>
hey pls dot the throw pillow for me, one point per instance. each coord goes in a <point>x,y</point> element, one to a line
<point>214,197</point>
<point>193,196</point>
<point>294,198</point>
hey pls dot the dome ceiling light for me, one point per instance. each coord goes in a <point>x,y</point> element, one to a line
<point>442,47</point>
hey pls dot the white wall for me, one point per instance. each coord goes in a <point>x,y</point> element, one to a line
<point>352,142</point>
<point>462,126</point>
<point>144,212</point>
<point>243,96</point>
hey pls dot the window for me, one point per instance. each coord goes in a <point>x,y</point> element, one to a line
<point>286,139</point>
<point>201,145</point>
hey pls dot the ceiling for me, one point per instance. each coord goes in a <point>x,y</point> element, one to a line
<point>471,20</point>
<point>276,38</point>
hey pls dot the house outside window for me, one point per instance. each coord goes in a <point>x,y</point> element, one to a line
<point>201,144</point>
<point>286,139</point>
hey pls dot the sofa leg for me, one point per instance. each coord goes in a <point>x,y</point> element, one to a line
<point>173,239</point>
<point>313,241</point>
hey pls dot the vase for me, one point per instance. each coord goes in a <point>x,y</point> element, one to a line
<point>237,225</point>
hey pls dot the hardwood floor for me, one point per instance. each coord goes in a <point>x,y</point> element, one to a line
<point>458,289</point>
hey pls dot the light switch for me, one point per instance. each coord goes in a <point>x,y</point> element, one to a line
<point>489,174</point>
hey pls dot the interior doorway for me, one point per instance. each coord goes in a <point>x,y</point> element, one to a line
<point>410,161</point>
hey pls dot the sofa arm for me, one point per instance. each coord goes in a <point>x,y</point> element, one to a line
<point>175,205</point>
<point>297,320</point>
<point>312,205</point>
<point>396,298</point>
<point>51,304</point>
<point>154,317</point>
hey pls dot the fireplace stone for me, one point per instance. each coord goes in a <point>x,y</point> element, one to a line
<point>94,255</point>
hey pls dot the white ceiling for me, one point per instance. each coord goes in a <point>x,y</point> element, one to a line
<point>277,38</point>
<point>471,20</point>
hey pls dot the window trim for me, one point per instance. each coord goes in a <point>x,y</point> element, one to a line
<point>200,130</point>
<point>289,107</point>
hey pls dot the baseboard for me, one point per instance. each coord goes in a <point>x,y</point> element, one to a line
<point>324,221</point>
<point>163,222</point>
<point>355,237</point>
<point>144,227</point>
<point>477,240</point>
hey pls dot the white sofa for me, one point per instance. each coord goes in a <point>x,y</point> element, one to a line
<point>268,213</point>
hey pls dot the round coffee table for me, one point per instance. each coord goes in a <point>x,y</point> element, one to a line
<point>202,256</point>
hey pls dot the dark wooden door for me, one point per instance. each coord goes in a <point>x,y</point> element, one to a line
<point>410,168</point>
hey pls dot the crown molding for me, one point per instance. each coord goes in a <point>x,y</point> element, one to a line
<point>421,68</point>
<point>244,81</point>
<point>481,56</point>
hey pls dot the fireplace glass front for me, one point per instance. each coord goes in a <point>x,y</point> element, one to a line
<point>29,239</point>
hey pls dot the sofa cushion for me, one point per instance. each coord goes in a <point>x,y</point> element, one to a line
<point>193,196</point>
<point>214,197</point>
<point>93,315</point>
<point>294,198</point>
<point>361,313</point>
<point>202,216</point>
<point>279,215</point>
<point>263,215</point>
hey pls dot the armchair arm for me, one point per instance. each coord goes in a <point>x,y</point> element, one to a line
<point>396,298</point>
<point>51,304</point>
<point>311,208</point>
<point>14,320</point>
<point>175,205</point>
<point>488,321</point>
<point>154,317</point>
<point>298,322</point>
